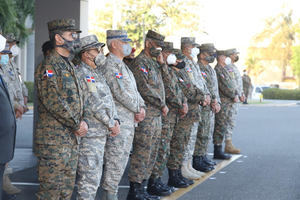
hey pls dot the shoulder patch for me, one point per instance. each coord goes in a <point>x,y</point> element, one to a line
<point>90,79</point>
<point>143,69</point>
<point>48,74</point>
<point>119,75</point>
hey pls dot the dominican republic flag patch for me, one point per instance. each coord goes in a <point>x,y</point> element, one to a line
<point>119,75</point>
<point>90,79</point>
<point>204,74</point>
<point>48,73</point>
<point>143,69</point>
<point>181,80</point>
<point>189,69</point>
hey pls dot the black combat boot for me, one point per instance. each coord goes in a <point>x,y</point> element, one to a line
<point>158,188</point>
<point>188,181</point>
<point>200,165</point>
<point>209,161</point>
<point>136,192</point>
<point>219,154</point>
<point>148,196</point>
<point>176,181</point>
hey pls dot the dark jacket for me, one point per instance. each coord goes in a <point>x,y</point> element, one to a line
<point>7,125</point>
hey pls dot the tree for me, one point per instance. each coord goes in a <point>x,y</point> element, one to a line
<point>295,62</point>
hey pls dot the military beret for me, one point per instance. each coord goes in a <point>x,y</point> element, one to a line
<point>231,51</point>
<point>189,40</point>
<point>178,53</point>
<point>117,34</point>
<point>158,38</point>
<point>221,53</point>
<point>168,46</point>
<point>90,42</point>
<point>208,47</point>
<point>10,37</point>
<point>63,25</point>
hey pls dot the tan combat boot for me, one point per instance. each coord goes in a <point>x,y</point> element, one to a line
<point>8,187</point>
<point>187,173</point>
<point>229,148</point>
<point>190,167</point>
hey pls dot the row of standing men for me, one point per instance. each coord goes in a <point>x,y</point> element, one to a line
<point>162,104</point>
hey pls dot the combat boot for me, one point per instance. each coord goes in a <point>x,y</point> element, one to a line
<point>175,181</point>
<point>188,181</point>
<point>8,187</point>
<point>187,173</point>
<point>191,168</point>
<point>158,188</point>
<point>200,165</point>
<point>109,196</point>
<point>148,196</point>
<point>136,192</point>
<point>209,161</point>
<point>229,148</point>
<point>219,154</point>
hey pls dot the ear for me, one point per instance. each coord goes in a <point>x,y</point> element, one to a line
<point>114,44</point>
<point>147,44</point>
<point>58,39</point>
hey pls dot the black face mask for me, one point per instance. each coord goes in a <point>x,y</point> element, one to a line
<point>236,59</point>
<point>72,46</point>
<point>154,52</point>
<point>180,65</point>
<point>210,59</point>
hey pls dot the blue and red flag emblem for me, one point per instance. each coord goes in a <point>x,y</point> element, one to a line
<point>143,69</point>
<point>189,69</point>
<point>48,73</point>
<point>90,79</point>
<point>181,80</point>
<point>204,74</point>
<point>119,75</point>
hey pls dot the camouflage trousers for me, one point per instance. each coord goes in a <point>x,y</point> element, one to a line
<point>189,150</point>
<point>179,142</point>
<point>168,125</point>
<point>228,134</point>
<point>90,162</point>
<point>223,122</point>
<point>205,131</point>
<point>145,147</point>
<point>57,165</point>
<point>117,151</point>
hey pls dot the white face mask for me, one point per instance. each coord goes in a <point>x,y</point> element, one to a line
<point>227,61</point>
<point>2,42</point>
<point>15,50</point>
<point>171,59</point>
<point>194,52</point>
<point>100,59</point>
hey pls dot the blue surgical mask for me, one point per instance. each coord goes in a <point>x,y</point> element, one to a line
<point>126,49</point>
<point>4,59</point>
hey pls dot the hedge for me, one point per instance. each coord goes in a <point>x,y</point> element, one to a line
<point>283,94</point>
<point>30,87</point>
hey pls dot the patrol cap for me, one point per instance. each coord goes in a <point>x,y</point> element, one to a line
<point>221,53</point>
<point>10,37</point>
<point>117,34</point>
<point>231,51</point>
<point>207,47</point>
<point>63,25</point>
<point>189,41</point>
<point>168,46</point>
<point>158,38</point>
<point>178,53</point>
<point>6,49</point>
<point>90,42</point>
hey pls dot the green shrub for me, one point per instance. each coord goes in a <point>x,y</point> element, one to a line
<point>284,94</point>
<point>30,87</point>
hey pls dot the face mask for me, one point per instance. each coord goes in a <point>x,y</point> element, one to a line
<point>4,59</point>
<point>2,42</point>
<point>236,59</point>
<point>227,61</point>
<point>126,49</point>
<point>210,59</point>
<point>171,59</point>
<point>15,50</point>
<point>194,52</point>
<point>154,52</point>
<point>100,59</point>
<point>180,65</point>
<point>72,46</point>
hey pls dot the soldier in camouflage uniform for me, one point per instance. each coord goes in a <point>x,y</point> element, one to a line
<point>190,50</point>
<point>206,125</point>
<point>147,72</point>
<point>177,104</point>
<point>130,107</point>
<point>101,117</point>
<point>60,111</point>
<point>247,85</point>
<point>234,71</point>
<point>228,95</point>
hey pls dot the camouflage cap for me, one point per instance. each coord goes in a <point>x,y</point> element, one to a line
<point>168,46</point>
<point>6,49</point>
<point>231,51</point>
<point>207,47</point>
<point>10,37</point>
<point>117,34</point>
<point>221,53</point>
<point>90,42</point>
<point>178,53</point>
<point>158,38</point>
<point>190,41</point>
<point>63,25</point>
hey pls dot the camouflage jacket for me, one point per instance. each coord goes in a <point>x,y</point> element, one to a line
<point>149,81</point>
<point>235,73</point>
<point>60,101</point>
<point>99,107</point>
<point>246,82</point>
<point>123,87</point>
<point>210,77</point>
<point>227,85</point>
